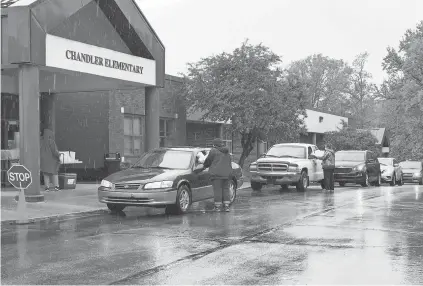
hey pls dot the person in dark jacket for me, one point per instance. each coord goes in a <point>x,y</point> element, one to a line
<point>220,168</point>
<point>328,164</point>
<point>49,160</point>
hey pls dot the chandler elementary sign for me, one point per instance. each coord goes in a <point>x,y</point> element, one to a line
<point>100,61</point>
<point>80,57</point>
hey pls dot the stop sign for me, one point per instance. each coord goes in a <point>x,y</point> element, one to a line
<point>19,176</point>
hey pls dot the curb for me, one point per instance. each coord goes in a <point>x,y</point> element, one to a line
<point>67,215</point>
<point>53,217</point>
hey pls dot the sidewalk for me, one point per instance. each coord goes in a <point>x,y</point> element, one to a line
<point>82,200</point>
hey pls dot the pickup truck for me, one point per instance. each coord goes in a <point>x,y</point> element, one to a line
<point>288,164</point>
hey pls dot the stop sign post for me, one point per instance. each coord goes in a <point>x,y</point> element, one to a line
<point>19,177</point>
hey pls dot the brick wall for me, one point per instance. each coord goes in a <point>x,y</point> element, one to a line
<point>92,123</point>
<point>133,102</point>
<point>171,106</point>
<point>82,122</point>
<point>200,134</point>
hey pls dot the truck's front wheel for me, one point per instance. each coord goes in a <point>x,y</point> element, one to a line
<point>302,184</point>
<point>256,186</point>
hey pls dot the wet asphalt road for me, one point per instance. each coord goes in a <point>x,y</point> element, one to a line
<point>355,236</point>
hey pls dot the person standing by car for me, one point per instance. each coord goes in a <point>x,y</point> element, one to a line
<point>49,160</point>
<point>328,164</point>
<point>220,168</point>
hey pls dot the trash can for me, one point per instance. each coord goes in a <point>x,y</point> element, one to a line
<point>112,163</point>
<point>67,181</point>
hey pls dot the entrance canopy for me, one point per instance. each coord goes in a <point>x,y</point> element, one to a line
<point>89,44</point>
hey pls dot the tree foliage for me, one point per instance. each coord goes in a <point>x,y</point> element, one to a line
<point>335,86</point>
<point>249,88</point>
<point>403,93</point>
<point>325,82</point>
<point>352,139</point>
<point>361,91</point>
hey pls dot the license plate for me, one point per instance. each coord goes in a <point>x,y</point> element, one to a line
<point>71,181</point>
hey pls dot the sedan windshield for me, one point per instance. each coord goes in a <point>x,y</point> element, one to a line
<point>287,151</point>
<point>386,161</point>
<point>350,156</point>
<point>165,159</point>
<point>411,165</point>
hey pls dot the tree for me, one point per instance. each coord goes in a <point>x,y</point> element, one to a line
<point>325,81</point>
<point>249,88</point>
<point>361,91</point>
<point>352,139</point>
<point>403,94</point>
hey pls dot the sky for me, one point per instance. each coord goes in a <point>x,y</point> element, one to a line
<point>294,29</point>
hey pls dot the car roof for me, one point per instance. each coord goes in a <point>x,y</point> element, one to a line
<point>295,144</point>
<point>183,148</point>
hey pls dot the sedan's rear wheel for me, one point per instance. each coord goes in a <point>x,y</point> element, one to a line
<point>183,201</point>
<point>116,207</point>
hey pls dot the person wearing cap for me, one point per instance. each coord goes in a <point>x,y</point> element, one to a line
<point>219,163</point>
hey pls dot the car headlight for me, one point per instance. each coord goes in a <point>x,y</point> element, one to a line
<point>359,168</point>
<point>159,185</point>
<point>253,167</point>
<point>293,169</point>
<point>106,184</point>
<point>417,175</point>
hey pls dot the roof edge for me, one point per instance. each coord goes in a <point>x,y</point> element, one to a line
<point>149,25</point>
<point>173,78</point>
<point>331,113</point>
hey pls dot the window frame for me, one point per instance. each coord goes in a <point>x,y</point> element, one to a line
<point>132,137</point>
<point>167,133</point>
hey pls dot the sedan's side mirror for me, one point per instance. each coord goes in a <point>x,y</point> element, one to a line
<point>312,156</point>
<point>396,165</point>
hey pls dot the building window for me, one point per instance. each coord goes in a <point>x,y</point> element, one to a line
<point>166,126</point>
<point>133,133</point>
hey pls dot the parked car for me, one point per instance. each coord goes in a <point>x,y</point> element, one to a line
<point>357,167</point>
<point>391,171</point>
<point>287,164</point>
<point>168,178</point>
<point>412,171</point>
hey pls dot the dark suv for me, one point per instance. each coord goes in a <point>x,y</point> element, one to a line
<point>357,167</point>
